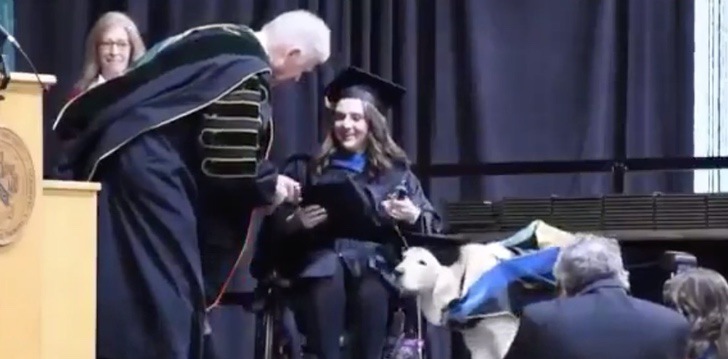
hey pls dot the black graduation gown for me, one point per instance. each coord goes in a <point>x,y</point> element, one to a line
<point>302,255</point>
<point>171,223</point>
<point>315,254</point>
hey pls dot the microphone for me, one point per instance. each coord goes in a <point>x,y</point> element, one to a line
<point>9,37</point>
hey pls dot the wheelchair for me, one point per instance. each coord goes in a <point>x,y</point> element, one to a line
<point>277,336</point>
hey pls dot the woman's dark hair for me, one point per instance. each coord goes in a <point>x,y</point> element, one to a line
<point>701,295</point>
<point>382,152</point>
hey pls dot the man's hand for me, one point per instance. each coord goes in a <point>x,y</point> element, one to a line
<point>287,190</point>
<point>308,217</point>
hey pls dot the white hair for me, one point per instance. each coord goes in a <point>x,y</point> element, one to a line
<point>303,29</point>
<point>587,259</point>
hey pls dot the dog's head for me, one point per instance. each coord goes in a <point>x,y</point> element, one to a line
<point>439,274</point>
<point>441,270</point>
<point>418,271</point>
<point>433,273</point>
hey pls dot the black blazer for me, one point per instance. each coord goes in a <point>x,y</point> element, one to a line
<point>601,322</point>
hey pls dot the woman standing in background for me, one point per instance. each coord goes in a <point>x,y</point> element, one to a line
<point>112,44</point>
<point>701,295</point>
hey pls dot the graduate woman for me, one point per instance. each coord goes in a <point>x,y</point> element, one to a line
<point>340,264</point>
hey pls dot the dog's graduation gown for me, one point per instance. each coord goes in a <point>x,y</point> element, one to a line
<point>508,287</point>
<point>517,282</point>
<point>178,144</point>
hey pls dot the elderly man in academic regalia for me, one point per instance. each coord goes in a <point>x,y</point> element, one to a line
<point>179,144</point>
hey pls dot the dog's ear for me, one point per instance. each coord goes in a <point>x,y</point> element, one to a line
<point>447,288</point>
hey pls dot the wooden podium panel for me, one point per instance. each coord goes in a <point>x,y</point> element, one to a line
<point>47,240</point>
<point>68,301</point>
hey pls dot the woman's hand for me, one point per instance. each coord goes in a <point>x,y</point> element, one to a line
<point>402,210</point>
<point>308,217</point>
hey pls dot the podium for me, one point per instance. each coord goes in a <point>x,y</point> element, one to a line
<point>47,240</point>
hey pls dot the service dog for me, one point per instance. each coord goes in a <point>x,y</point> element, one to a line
<point>440,275</point>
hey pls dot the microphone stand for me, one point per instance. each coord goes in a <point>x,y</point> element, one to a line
<point>4,73</point>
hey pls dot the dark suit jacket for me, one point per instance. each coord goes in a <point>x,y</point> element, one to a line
<point>601,322</point>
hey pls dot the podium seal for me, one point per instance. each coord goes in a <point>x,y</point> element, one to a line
<point>17,186</point>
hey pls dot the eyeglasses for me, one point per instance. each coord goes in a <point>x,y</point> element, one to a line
<point>109,44</point>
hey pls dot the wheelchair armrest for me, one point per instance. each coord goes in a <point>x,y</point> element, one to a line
<point>267,291</point>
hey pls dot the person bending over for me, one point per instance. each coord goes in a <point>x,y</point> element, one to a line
<point>596,317</point>
<point>180,144</point>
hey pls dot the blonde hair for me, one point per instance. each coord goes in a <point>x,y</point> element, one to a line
<point>108,20</point>
<point>701,295</point>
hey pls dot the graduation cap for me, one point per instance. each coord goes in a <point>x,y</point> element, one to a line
<point>356,83</point>
<point>435,240</point>
<point>445,247</point>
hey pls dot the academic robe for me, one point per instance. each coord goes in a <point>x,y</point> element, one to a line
<point>316,254</point>
<point>179,145</point>
<point>302,257</point>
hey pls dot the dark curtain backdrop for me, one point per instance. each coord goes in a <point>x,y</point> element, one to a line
<point>493,80</point>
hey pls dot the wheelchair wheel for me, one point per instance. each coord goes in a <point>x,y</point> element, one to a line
<point>268,336</point>
<point>269,344</point>
<point>271,341</point>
